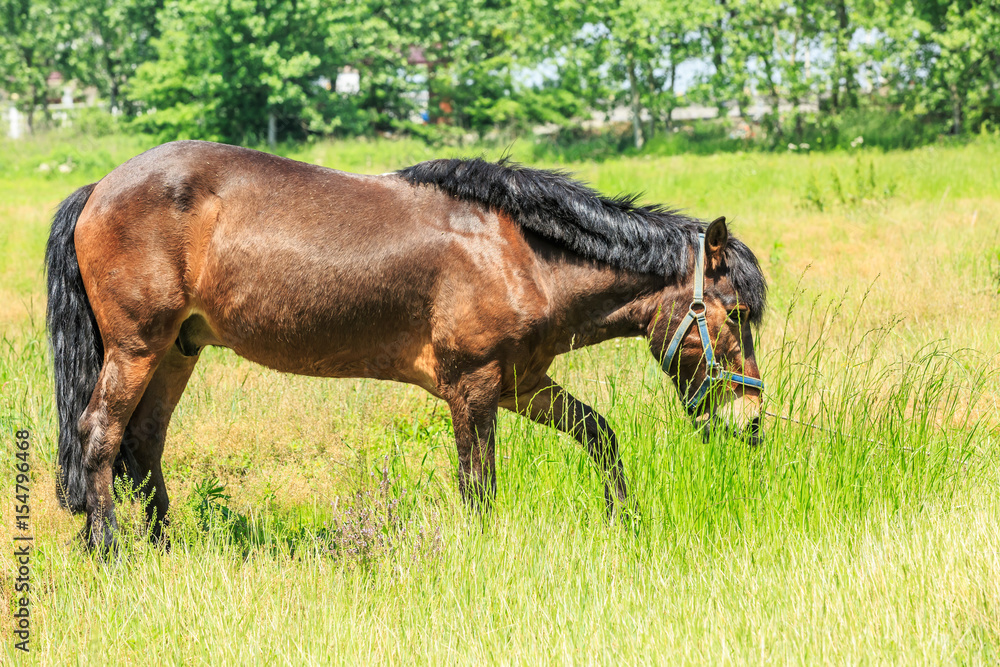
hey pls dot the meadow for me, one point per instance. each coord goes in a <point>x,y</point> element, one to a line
<point>318,521</point>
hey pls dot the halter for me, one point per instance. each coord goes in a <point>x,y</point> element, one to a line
<point>715,373</point>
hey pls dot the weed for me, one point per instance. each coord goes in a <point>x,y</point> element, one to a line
<point>866,190</point>
<point>813,197</point>
<point>373,523</point>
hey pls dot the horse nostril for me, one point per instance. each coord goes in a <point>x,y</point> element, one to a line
<point>754,433</point>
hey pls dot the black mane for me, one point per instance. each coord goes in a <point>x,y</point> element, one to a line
<point>613,230</point>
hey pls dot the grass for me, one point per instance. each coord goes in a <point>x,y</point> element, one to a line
<point>318,521</point>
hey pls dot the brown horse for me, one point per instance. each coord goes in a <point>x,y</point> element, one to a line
<point>461,276</point>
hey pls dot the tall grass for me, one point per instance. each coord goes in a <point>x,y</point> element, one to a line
<point>318,521</point>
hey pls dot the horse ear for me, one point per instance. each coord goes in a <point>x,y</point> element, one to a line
<point>716,236</point>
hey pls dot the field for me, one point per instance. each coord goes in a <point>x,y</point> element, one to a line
<point>318,521</point>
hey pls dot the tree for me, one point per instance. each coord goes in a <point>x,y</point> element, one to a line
<point>113,38</point>
<point>841,27</point>
<point>363,35</point>
<point>471,48</point>
<point>30,49</point>
<point>628,52</point>
<point>226,69</point>
<point>943,59</point>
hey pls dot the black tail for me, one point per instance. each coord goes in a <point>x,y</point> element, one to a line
<point>76,346</point>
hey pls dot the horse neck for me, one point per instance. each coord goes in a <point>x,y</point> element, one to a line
<point>593,302</point>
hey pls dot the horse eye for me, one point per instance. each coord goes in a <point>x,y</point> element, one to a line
<point>736,314</point>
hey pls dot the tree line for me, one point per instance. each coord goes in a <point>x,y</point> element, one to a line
<point>235,69</point>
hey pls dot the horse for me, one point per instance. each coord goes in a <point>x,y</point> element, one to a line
<point>463,277</point>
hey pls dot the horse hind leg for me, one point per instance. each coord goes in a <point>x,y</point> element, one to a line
<point>134,349</point>
<point>145,435</point>
<point>120,385</point>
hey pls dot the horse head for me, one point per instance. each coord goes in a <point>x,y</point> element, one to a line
<point>701,334</point>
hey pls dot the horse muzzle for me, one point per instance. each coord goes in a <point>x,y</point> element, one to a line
<point>738,418</point>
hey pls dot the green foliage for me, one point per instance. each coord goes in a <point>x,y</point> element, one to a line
<point>432,134</point>
<point>33,38</point>
<point>942,60</point>
<point>224,67</point>
<point>111,38</point>
<point>878,128</point>
<point>612,54</point>
<point>898,73</point>
<point>700,138</point>
<point>543,106</point>
<point>96,123</point>
<point>262,530</point>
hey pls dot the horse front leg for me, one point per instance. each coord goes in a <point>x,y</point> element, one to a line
<point>473,402</point>
<point>551,405</point>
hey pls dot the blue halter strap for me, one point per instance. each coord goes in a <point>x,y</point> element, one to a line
<point>715,374</point>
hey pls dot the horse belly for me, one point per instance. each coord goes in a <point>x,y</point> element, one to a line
<point>334,314</point>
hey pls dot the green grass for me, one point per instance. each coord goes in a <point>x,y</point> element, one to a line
<point>337,535</point>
